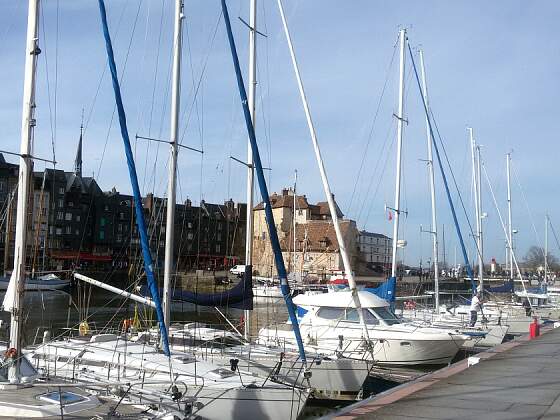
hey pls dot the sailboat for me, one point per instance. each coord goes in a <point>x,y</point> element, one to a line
<point>443,316</point>
<point>202,388</point>
<point>23,392</point>
<point>329,378</point>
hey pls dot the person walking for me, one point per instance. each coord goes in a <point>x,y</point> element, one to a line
<point>476,304</point>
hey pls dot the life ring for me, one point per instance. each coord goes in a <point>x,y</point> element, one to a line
<point>83,328</point>
<point>410,304</point>
<point>11,353</point>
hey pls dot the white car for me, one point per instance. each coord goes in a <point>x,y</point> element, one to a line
<point>237,270</point>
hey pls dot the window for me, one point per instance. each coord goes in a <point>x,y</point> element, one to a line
<point>101,234</point>
<point>68,230</point>
<point>220,226</point>
<point>121,215</point>
<point>59,231</point>
<point>119,227</point>
<point>68,217</point>
<point>102,222</point>
<point>78,217</point>
<point>331,313</point>
<point>77,232</point>
<point>218,247</point>
<point>50,230</point>
<point>119,237</point>
<point>189,225</point>
<point>70,204</point>
<point>44,211</point>
<point>106,207</point>
<point>386,315</point>
<point>61,190</point>
<point>219,237</point>
<point>2,185</point>
<point>59,216</point>
<point>60,203</point>
<point>189,236</point>
<point>300,212</point>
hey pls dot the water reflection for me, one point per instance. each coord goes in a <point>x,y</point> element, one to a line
<point>59,311</point>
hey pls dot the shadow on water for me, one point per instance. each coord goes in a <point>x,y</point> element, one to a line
<point>57,311</point>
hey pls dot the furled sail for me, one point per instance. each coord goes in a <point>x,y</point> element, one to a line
<point>8,303</point>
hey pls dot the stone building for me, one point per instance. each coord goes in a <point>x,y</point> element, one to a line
<point>316,247</point>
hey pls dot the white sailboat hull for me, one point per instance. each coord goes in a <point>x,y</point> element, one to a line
<point>212,392</point>
<point>331,378</point>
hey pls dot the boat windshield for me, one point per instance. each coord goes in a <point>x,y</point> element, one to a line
<point>348,314</point>
<point>353,316</point>
<point>385,314</point>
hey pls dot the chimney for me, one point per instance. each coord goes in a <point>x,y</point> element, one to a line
<point>284,192</point>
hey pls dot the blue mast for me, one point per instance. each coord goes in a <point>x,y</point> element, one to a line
<point>456,222</point>
<point>133,180</point>
<point>263,189</point>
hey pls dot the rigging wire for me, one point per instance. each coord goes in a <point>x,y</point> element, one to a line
<point>515,175</point>
<point>372,129</point>
<point>188,111</point>
<point>554,233</point>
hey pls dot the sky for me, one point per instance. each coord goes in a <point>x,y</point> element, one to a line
<point>493,66</point>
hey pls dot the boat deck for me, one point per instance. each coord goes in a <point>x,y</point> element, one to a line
<point>516,380</point>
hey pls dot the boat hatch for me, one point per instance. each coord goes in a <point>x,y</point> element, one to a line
<point>64,397</point>
<point>186,359</point>
<point>221,373</point>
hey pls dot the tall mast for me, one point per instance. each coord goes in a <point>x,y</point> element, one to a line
<point>545,246</point>
<point>172,181</point>
<point>25,170</point>
<point>480,215</point>
<point>509,246</point>
<point>476,186</point>
<point>400,120</point>
<point>330,200</point>
<point>432,187</point>
<point>250,168</point>
<point>294,222</point>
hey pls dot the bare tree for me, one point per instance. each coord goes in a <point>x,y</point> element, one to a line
<point>535,258</point>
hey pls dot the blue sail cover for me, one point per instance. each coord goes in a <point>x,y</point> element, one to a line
<point>504,288</point>
<point>386,290</point>
<point>239,296</point>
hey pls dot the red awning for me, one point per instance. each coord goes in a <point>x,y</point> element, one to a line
<point>84,256</point>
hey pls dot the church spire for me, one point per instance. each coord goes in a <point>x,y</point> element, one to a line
<point>78,160</point>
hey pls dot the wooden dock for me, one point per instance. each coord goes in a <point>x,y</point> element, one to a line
<point>516,380</point>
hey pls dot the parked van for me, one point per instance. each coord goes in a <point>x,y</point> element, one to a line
<point>237,270</point>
